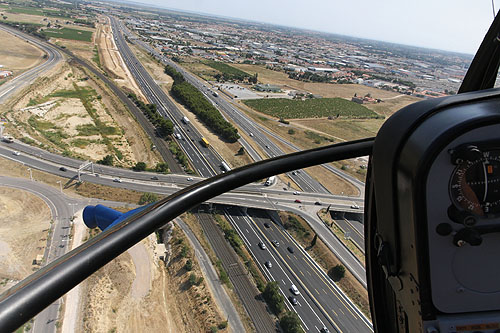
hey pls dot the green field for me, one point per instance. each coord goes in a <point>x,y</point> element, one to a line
<point>68,33</point>
<point>40,12</point>
<point>29,11</point>
<point>228,72</point>
<point>310,108</point>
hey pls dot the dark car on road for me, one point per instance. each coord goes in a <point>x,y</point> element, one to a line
<point>63,168</point>
<point>292,300</point>
<point>290,249</point>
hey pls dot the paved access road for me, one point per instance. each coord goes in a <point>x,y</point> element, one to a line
<point>62,208</point>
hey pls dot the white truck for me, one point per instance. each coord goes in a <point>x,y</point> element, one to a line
<point>225,167</point>
<point>270,181</point>
<point>185,120</point>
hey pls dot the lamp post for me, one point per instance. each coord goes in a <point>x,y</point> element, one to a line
<point>31,175</point>
<point>60,185</point>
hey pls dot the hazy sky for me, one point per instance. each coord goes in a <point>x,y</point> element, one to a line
<point>454,25</point>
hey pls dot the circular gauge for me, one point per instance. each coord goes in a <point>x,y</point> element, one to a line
<point>475,185</point>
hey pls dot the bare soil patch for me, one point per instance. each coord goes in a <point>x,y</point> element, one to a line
<point>112,61</point>
<point>24,225</point>
<point>17,55</point>
<point>173,304</point>
<point>73,125</point>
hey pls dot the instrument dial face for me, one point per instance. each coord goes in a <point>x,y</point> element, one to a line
<point>475,185</point>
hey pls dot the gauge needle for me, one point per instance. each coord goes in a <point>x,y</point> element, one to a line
<point>485,182</point>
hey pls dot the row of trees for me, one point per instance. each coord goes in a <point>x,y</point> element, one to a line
<point>164,127</point>
<point>289,321</point>
<point>30,28</point>
<point>194,100</point>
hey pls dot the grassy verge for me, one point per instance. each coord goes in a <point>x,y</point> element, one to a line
<point>181,157</point>
<point>325,217</point>
<point>96,57</point>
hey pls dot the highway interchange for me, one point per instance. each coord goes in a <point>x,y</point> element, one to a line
<point>315,309</point>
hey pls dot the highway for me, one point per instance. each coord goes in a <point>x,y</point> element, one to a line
<point>303,179</point>
<point>258,133</point>
<point>18,82</point>
<point>252,195</point>
<point>320,302</point>
<point>155,93</point>
<point>162,183</point>
<point>204,159</point>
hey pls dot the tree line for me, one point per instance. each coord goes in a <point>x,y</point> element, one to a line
<point>164,127</point>
<point>194,100</point>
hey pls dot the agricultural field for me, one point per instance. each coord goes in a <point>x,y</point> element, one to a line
<point>68,33</point>
<point>39,12</point>
<point>391,101</point>
<point>310,108</point>
<point>228,73</point>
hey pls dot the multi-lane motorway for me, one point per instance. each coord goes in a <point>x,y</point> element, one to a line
<point>260,136</point>
<point>14,85</point>
<point>204,159</point>
<point>320,302</point>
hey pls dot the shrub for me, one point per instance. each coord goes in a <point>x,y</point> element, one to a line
<point>337,272</point>
<point>147,198</point>
<point>140,166</point>
<point>107,160</point>
<point>189,265</point>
